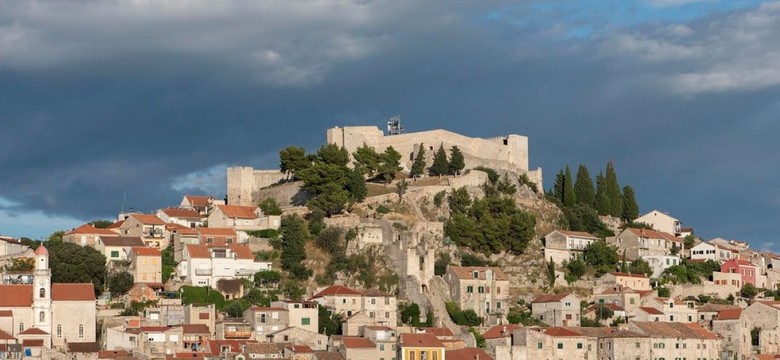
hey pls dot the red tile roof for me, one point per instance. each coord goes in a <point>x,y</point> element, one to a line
<point>73,292</point>
<point>354,342</point>
<point>467,272</point>
<point>148,219</point>
<point>6,336</point>
<point>336,290</point>
<point>198,200</point>
<point>560,332</point>
<point>240,212</point>
<point>736,262</point>
<point>467,354</point>
<point>577,234</point>
<point>112,354</point>
<point>122,241</point>
<point>195,329</point>
<point>242,252</point>
<point>32,342</point>
<point>83,347</point>
<point>439,332</point>
<point>33,331</point>
<point>216,231</point>
<point>729,314</point>
<point>654,234</point>
<point>116,225</point>
<point>41,250</point>
<point>145,251</point>
<point>548,298</point>
<point>16,295</point>
<point>420,340</point>
<point>89,229</point>
<point>182,213</point>
<point>651,310</point>
<point>299,349</point>
<point>628,275</point>
<point>198,251</point>
<point>500,331</point>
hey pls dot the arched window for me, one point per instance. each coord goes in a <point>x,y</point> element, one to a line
<point>59,330</point>
<point>42,293</point>
<point>42,316</point>
<point>81,331</point>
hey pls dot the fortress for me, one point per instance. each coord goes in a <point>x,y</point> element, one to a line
<point>505,154</point>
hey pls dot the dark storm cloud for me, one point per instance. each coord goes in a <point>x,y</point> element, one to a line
<point>154,98</point>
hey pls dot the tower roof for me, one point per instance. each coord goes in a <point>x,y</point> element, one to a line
<point>41,250</point>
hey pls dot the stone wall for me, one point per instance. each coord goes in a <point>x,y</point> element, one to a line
<point>244,181</point>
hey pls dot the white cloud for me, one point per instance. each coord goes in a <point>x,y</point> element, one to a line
<point>649,49</point>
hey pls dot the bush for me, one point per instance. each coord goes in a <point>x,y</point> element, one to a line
<point>381,209</point>
<point>265,233</point>
<point>442,261</point>
<point>269,206</point>
<point>663,292</point>
<point>463,318</point>
<point>202,295</point>
<point>438,199</point>
<point>468,259</point>
<point>481,343</point>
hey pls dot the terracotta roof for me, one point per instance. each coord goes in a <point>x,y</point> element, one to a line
<point>116,225</point>
<point>328,355</point>
<point>239,212</point>
<point>216,231</point>
<point>89,229</point>
<point>182,213</point>
<point>215,345</point>
<point>738,262</point>
<point>611,306</point>
<point>336,290</point>
<point>122,241</point>
<point>145,251</point>
<point>242,252</point>
<point>6,313</point>
<point>500,331</point>
<point>155,328</point>
<point>263,348</point>
<point>32,342</point>
<point>420,340</point>
<point>654,234</point>
<point>440,331</point>
<point>41,250</point>
<point>198,251</point>
<point>9,239</point>
<point>624,334</point>
<point>16,295</point>
<point>628,275</point>
<point>198,200</point>
<point>651,310</point>
<point>378,327</point>
<point>467,354</point>
<point>195,329</point>
<point>33,331</point>
<point>147,219</point>
<point>548,298</point>
<point>560,332</point>
<point>674,330</point>
<point>729,314</point>
<point>6,336</point>
<point>73,292</point>
<point>112,354</point>
<point>577,233</point>
<point>83,347</point>
<point>467,272</point>
<point>185,355</point>
<point>299,349</point>
<point>354,342</point>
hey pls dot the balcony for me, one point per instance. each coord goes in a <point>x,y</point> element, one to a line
<point>240,333</point>
<point>244,272</point>
<point>203,272</point>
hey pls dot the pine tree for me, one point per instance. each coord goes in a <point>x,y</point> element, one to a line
<point>613,192</point>
<point>419,162</point>
<point>630,207</point>
<point>440,164</point>
<point>457,163</point>
<point>569,198</point>
<point>557,190</point>
<point>602,201</point>
<point>583,187</point>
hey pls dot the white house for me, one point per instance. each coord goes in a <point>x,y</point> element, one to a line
<point>663,222</point>
<point>204,265</point>
<point>185,217</point>
<point>709,251</point>
<point>242,218</point>
<point>659,263</point>
<point>563,245</point>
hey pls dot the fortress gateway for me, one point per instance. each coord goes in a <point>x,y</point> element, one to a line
<point>504,154</point>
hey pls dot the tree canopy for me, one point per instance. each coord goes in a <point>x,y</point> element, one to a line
<point>120,283</point>
<point>269,206</point>
<point>418,167</point>
<point>457,162</point>
<point>294,235</point>
<point>440,163</point>
<point>71,263</point>
<point>601,256</point>
<point>330,182</point>
<point>583,187</point>
<point>292,160</point>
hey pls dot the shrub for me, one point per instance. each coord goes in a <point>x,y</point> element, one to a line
<point>381,209</point>
<point>438,199</point>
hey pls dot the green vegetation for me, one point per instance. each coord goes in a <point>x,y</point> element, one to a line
<point>630,207</point>
<point>294,236</point>
<point>410,315</point>
<point>71,263</point>
<point>663,291</point>
<point>269,206</point>
<point>463,318</point>
<point>613,192</point>
<point>265,233</point>
<point>378,166</point>
<point>575,269</point>
<point>490,225</point>
<point>583,187</point>
<point>120,283</point>
<point>235,309</point>
<point>418,167</point>
<point>293,160</point>
<point>551,274</point>
<point>521,314</point>
<point>439,198</point>
<point>136,307</point>
<point>748,291</point>
<point>440,163</point>
<point>168,263</point>
<point>689,272</point>
<point>20,264</point>
<point>202,295</point>
<point>640,266</point>
<point>567,197</point>
<point>524,180</point>
<point>101,224</point>
<point>481,343</point>
<point>330,182</point>
<point>316,221</point>
<point>329,323</point>
<point>442,261</point>
<point>456,163</point>
<point>259,297</point>
<point>601,256</point>
<point>467,259</point>
<point>266,278</point>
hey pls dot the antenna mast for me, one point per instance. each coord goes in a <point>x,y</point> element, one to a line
<point>394,126</point>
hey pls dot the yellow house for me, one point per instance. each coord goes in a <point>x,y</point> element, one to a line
<point>421,347</point>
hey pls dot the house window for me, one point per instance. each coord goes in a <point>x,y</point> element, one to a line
<point>305,321</point>
<point>637,345</point>
<point>469,289</point>
<point>81,331</point>
<point>481,289</point>
<point>498,304</point>
<point>381,347</point>
<point>579,345</point>
<point>373,301</point>
<point>59,330</point>
<point>42,316</point>
<point>21,327</point>
<point>539,345</point>
<point>229,240</point>
<point>568,304</point>
<point>560,345</point>
<point>209,240</point>
<point>475,274</point>
<point>114,254</point>
<point>631,301</point>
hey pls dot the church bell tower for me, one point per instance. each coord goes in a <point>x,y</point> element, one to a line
<point>42,290</point>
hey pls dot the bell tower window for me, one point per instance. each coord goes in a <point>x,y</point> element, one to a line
<point>42,293</point>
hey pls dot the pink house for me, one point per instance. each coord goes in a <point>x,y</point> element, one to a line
<point>748,271</point>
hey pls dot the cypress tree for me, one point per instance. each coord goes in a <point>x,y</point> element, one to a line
<point>557,190</point>
<point>602,201</point>
<point>613,192</point>
<point>569,198</point>
<point>419,162</point>
<point>457,162</point>
<point>630,206</point>
<point>583,187</point>
<point>440,164</point>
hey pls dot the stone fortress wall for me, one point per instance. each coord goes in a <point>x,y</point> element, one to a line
<point>504,154</point>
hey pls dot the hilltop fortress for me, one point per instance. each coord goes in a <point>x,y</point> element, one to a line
<point>504,153</point>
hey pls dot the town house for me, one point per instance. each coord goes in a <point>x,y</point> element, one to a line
<point>638,243</point>
<point>86,235</point>
<point>146,265</point>
<point>380,308</point>
<point>482,289</point>
<point>181,216</point>
<point>242,219</point>
<point>116,248</point>
<point>200,203</point>
<point>204,265</point>
<point>146,226</point>
<point>709,251</point>
<point>557,310</point>
<point>663,222</point>
<point>419,347</point>
<point>738,272</point>
<point>625,280</point>
<point>659,263</point>
<point>563,245</point>
<point>734,332</point>
<point>202,236</point>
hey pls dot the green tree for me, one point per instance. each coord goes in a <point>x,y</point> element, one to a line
<point>576,268</point>
<point>356,186</point>
<point>20,265</point>
<point>331,240</point>
<point>367,158</point>
<point>410,314</point>
<point>333,154</point>
<point>630,207</point>
<point>663,292</point>
<point>551,273</point>
<point>292,160</point>
<point>748,291</point>
<point>418,167</point>
<point>459,200</point>
<point>329,322</point>
<point>557,190</point>
<point>316,221</point>
<point>440,163</point>
<point>613,191</point>
<point>234,309</point>
<point>269,206</point>
<point>389,165</point>
<point>585,218</point>
<point>602,199</point>
<point>256,297</point>
<point>294,235</point>
<point>603,312</point>
<point>71,263</point>
<point>600,255</point>
<point>101,224</point>
<point>442,261</point>
<point>120,283</point>
<point>583,187</point>
<point>491,225</point>
<point>689,241</point>
<point>640,266</point>
<point>569,198</point>
<point>400,189</point>
<point>267,277</point>
<point>505,186</point>
<point>457,162</point>
<point>55,237</point>
<point>168,263</point>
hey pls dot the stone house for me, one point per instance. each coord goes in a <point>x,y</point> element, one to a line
<point>181,216</point>
<point>358,348</point>
<point>193,335</point>
<point>765,316</point>
<point>380,307</point>
<point>204,265</point>
<point>203,314</point>
<point>659,263</point>
<point>140,292</point>
<point>281,315</point>
<point>675,310</point>
<point>385,338</point>
<point>297,352</point>
<point>116,248</point>
<point>420,346</point>
<point>202,236</point>
<point>557,310</point>
<point>715,252</point>
<point>563,245</point>
<point>146,265</point>
<point>232,329</point>
<point>498,340</point>
<point>593,312</point>
<point>146,226</point>
<point>264,351</point>
<point>482,289</point>
<point>677,340</point>
<point>242,218</point>
<point>661,222</point>
<point>552,343</point>
<point>647,314</point>
<point>638,243</point>
<point>625,345</point>
<point>626,280</point>
<point>733,331</point>
<point>299,336</point>
<point>84,235</point>
<point>627,298</point>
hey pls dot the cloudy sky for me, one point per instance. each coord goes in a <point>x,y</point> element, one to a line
<point>156,98</point>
